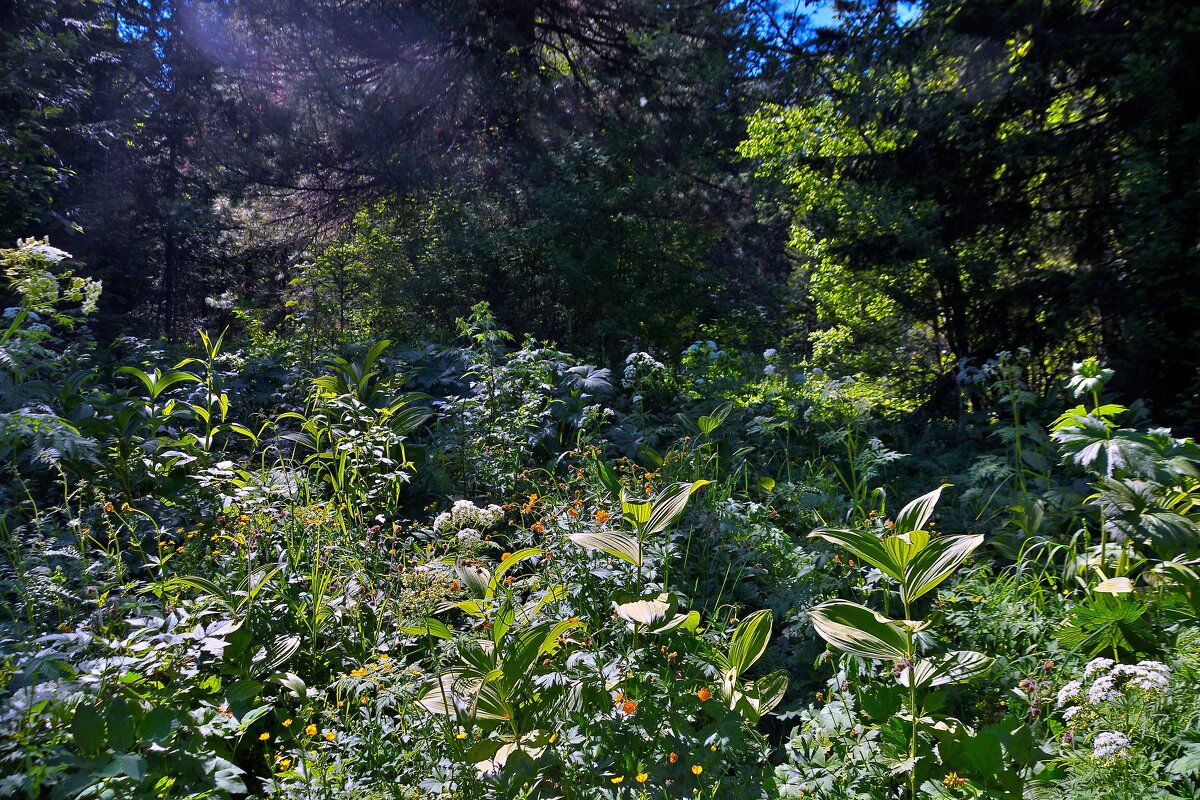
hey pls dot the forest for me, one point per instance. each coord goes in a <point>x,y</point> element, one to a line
<point>573,399</point>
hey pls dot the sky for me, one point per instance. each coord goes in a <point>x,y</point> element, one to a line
<point>820,12</point>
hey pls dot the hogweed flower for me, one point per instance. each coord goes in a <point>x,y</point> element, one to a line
<point>1068,691</point>
<point>1102,690</point>
<point>1109,744</point>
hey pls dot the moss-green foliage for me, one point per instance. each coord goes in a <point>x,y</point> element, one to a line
<point>490,571</point>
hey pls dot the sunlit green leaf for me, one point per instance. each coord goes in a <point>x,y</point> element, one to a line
<point>613,543</point>
<point>860,631</point>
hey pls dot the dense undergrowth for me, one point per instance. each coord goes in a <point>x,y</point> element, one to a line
<point>491,570</point>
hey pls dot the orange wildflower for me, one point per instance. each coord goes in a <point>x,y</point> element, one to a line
<point>602,516</point>
<point>704,694</point>
<point>628,707</point>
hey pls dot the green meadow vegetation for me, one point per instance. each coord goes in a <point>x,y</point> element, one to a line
<point>631,400</point>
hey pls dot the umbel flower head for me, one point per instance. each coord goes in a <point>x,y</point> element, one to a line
<point>1109,744</point>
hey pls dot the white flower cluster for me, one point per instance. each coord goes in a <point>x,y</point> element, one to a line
<point>1103,690</point>
<point>40,248</point>
<point>1069,691</point>
<point>1151,676</point>
<point>639,363</point>
<point>1108,744</point>
<point>1108,678</point>
<point>466,516</point>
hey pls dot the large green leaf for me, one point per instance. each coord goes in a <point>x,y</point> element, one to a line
<point>770,690</point>
<point>551,642</point>
<point>513,560</point>
<point>439,698</point>
<point>711,422</point>
<point>750,640</point>
<point>614,543</point>
<point>956,667</point>
<point>752,700</point>
<point>860,631</point>
<point>520,651</point>
<point>475,578</point>
<point>635,511</point>
<point>914,515</point>
<point>87,729</point>
<point>904,547</point>
<point>935,563</point>
<point>668,505</point>
<point>865,545</point>
<point>683,622</point>
<point>428,627</point>
<point>647,610</point>
<point>608,477</point>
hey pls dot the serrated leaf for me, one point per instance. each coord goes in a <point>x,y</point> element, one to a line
<point>129,764</point>
<point>157,725</point>
<point>119,723</point>
<point>226,775</point>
